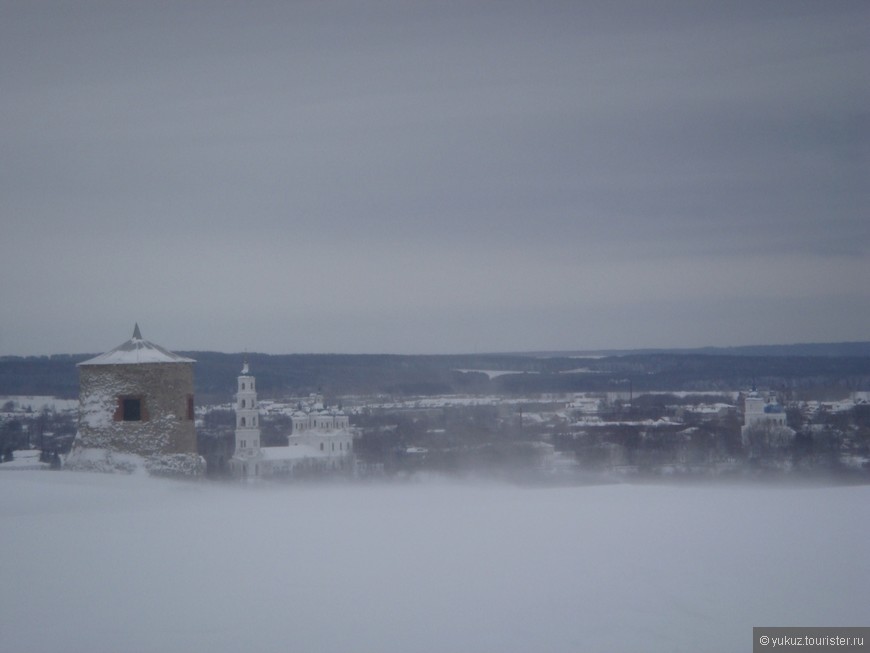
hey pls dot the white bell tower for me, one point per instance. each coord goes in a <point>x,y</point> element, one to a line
<point>247,419</point>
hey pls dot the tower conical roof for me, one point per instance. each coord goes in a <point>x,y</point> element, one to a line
<point>137,350</point>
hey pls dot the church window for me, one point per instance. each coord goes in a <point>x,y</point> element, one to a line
<point>243,421</point>
<point>243,403</point>
<point>321,446</point>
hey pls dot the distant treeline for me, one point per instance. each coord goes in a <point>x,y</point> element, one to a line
<point>337,375</point>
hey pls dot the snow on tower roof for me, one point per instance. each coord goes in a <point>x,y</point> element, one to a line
<point>137,350</point>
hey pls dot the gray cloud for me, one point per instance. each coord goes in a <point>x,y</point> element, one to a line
<point>274,175</point>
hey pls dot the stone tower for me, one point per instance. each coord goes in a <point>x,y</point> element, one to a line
<point>135,399</point>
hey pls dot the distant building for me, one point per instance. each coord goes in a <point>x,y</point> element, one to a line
<point>247,460</point>
<point>315,416</point>
<point>321,441</point>
<point>762,410</point>
<point>764,416</point>
<point>136,404</point>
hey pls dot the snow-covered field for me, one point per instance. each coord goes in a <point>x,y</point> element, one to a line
<point>95,563</point>
<point>38,403</point>
<point>492,374</point>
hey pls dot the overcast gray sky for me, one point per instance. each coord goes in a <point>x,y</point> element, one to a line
<point>433,177</point>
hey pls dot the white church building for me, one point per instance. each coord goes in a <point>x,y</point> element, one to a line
<point>315,416</point>
<point>320,443</point>
<point>764,415</point>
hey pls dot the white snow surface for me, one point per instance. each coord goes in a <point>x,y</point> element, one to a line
<point>105,563</point>
<point>495,373</point>
<point>39,403</point>
<point>24,459</point>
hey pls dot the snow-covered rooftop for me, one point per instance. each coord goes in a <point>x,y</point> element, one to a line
<point>137,350</point>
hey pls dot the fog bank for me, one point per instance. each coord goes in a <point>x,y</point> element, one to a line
<point>108,563</point>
